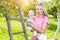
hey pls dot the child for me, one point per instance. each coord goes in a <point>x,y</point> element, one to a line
<point>30,19</point>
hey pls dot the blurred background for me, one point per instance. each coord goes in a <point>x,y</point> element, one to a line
<point>10,8</point>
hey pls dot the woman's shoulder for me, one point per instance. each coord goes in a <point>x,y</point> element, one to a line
<point>45,17</point>
<point>46,20</point>
<point>34,17</point>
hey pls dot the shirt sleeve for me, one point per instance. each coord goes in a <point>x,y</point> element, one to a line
<point>30,20</point>
<point>46,20</point>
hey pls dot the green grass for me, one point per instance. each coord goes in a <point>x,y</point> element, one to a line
<point>17,27</point>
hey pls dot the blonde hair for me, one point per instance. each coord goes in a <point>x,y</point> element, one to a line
<point>30,12</point>
<point>43,8</point>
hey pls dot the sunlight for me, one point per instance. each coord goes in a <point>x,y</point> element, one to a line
<point>39,1</point>
<point>26,2</point>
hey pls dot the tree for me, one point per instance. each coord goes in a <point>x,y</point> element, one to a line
<point>11,7</point>
<point>52,7</point>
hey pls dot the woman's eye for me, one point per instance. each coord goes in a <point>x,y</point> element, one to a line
<point>37,9</point>
<point>40,9</point>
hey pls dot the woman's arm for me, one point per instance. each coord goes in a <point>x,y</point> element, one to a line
<point>35,27</point>
<point>45,24</point>
<point>44,27</point>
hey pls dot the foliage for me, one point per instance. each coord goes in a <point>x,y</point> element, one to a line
<point>11,6</point>
<point>53,7</point>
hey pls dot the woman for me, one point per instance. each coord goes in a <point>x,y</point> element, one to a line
<point>41,21</point>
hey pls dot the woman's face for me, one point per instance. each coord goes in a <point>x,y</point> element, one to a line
<point>39,10</point>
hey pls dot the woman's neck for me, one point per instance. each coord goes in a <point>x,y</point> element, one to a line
<point>39,16</point>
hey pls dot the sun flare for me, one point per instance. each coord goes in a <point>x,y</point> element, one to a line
<point>26,2</point>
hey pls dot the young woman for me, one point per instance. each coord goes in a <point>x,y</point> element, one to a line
<point>41,22</point>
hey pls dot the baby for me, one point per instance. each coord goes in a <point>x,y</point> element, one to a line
<point>30,19</point>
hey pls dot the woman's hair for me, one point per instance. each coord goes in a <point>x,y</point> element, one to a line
<point>43,8</point>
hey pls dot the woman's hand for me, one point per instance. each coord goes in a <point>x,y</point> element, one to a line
<point>32,30</point>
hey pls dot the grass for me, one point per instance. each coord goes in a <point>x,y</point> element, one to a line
<point>17,27</point>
